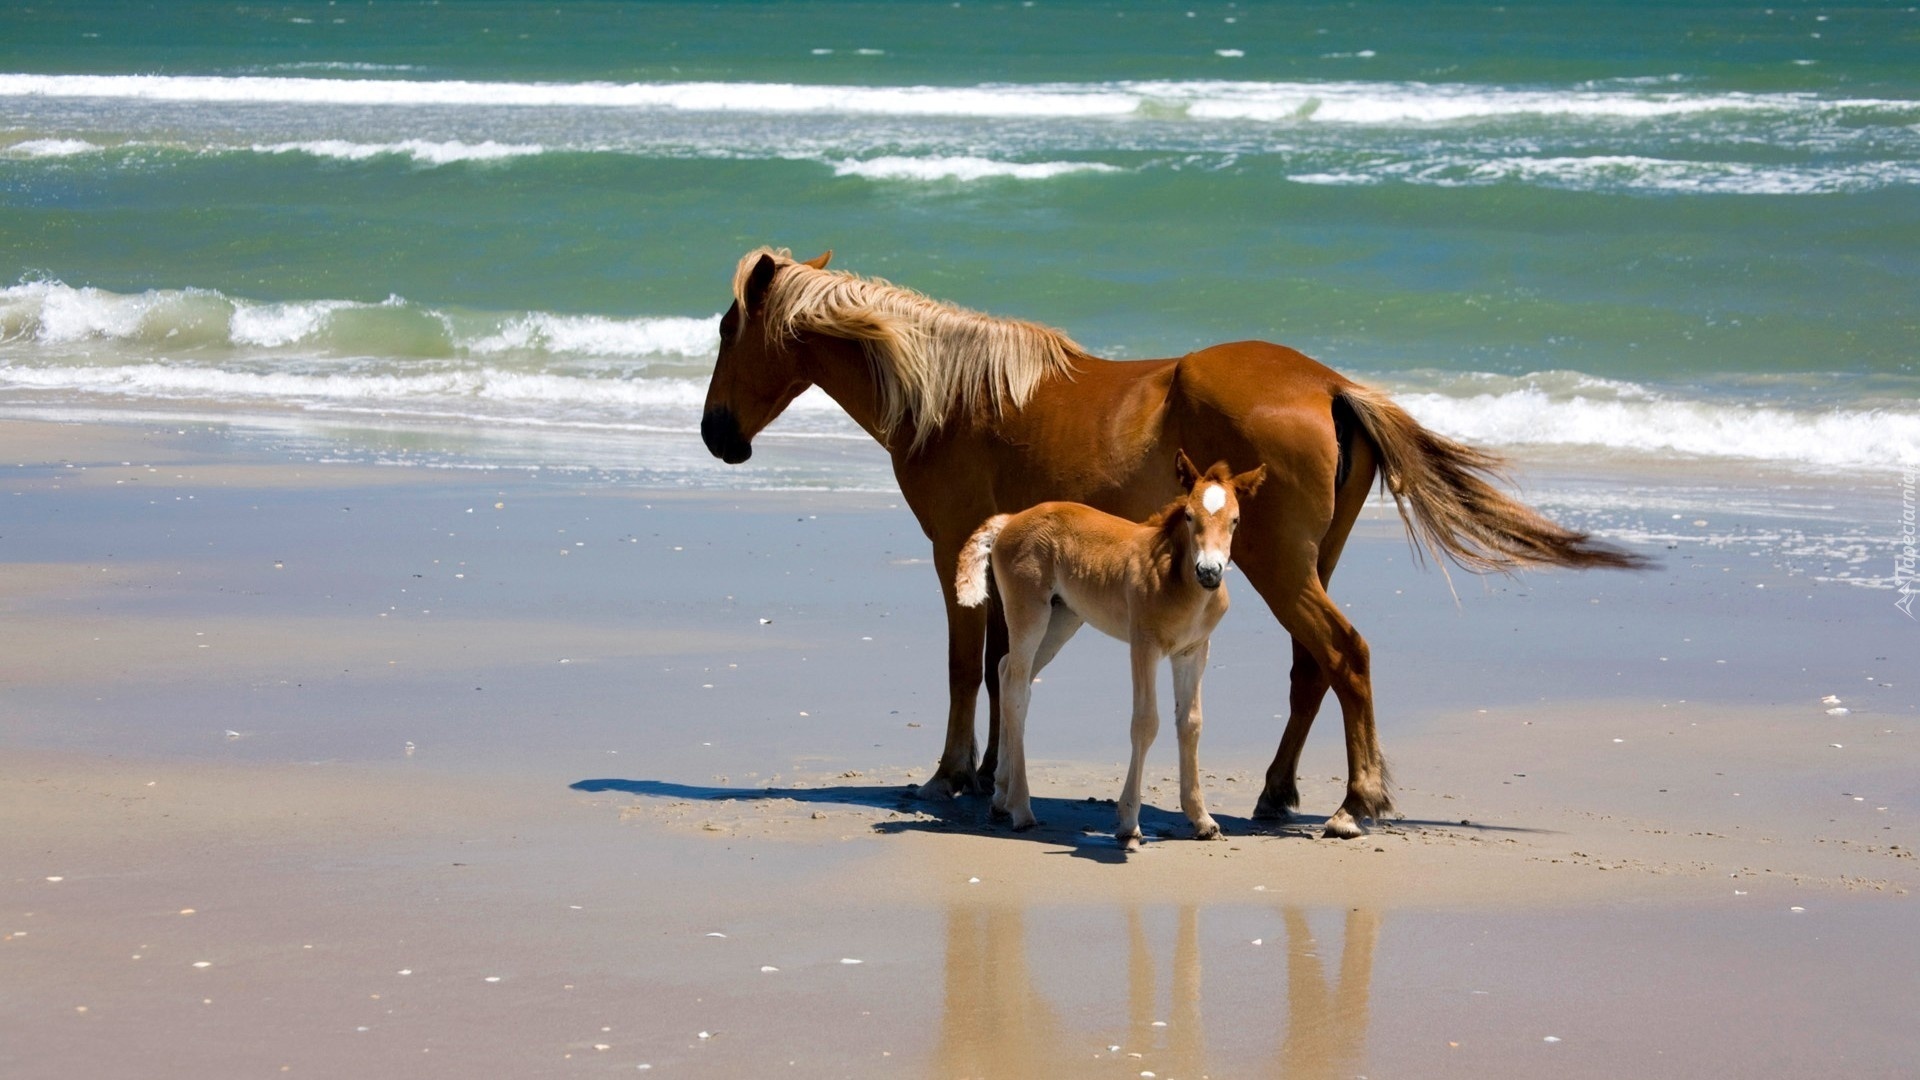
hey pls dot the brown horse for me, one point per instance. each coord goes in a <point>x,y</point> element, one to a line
<point>984,415</point>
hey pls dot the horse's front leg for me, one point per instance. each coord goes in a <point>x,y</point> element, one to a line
<point>1146,724</point>
<point>1188,667</point>
<point>966,640</point>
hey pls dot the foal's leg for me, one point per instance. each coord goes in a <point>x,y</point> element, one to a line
<point>1060,627</point>
<point>1146,724</point>
<point>1187,668</point>
<point>1028,620</point>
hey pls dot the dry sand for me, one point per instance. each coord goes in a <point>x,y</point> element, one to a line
<point>333,770</point>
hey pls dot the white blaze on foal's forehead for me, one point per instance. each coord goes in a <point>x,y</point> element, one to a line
<point>1213,498</point>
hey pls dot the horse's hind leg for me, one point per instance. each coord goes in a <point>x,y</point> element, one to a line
<point>1291,587</point>
<point>1308,684</point>
<point>1188,667</point>
<point>1342,654</point>
<point>1280,795</point>
<point>996,652</point>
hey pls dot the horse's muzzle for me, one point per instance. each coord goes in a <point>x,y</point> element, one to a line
<point>720,430</point>
<point>1209,577</point>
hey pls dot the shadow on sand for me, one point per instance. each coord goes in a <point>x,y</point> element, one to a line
<point>1084,825</point>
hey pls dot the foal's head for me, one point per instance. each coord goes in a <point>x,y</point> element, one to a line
<point>1210,512</point>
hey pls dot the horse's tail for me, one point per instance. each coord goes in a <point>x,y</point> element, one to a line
<point>970,581</point>
<point>1442,491</point>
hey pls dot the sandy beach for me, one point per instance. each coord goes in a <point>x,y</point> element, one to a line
<point>328,769</point>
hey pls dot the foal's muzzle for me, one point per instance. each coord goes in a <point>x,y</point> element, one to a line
<point>720,430</point>
<point>1208,576</point>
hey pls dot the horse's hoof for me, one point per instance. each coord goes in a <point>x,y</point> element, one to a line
<point>1128,839</point>
<point>1265,810</point>
<point>1342,826</point>
<point>1207,830</point>
<point>1023,826</point>
<point>998,811</point>
<point>938,789</point>
<point>981,783</point>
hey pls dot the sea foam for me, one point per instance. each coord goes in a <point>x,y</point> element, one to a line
<point>1324,102</point>
<point>51,313</point>
<point>423,151</point>
<point>963,168</point>
<point>1836,437</point>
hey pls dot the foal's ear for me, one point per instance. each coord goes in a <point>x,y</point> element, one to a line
<point>820,261</point>
<point>1249,482</point>
<point>1184,470</point>
<point>758,282</point>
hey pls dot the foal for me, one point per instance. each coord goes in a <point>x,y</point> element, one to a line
<point>1155,586</point>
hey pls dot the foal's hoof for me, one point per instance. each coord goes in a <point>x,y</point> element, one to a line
<point>1342,826</point>
<point>1207,830</point>
<point>1128,839</point>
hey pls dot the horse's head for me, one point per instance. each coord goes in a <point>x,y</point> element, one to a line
<point>1211,512</point>
<point>756,376</point>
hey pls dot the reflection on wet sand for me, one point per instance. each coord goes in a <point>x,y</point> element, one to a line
<point>997,1022</point>
<point>1327,1024</point>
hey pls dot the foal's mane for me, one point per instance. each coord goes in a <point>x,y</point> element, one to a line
<point>930,359</point>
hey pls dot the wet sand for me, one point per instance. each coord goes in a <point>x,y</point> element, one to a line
<point>331,769</point>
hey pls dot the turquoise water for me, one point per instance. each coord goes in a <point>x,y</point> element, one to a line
<point>1647,229</point>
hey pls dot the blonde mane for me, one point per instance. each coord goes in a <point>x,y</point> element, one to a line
<point>931,360</point>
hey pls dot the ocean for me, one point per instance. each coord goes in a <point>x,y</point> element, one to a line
<point>1680,236</point>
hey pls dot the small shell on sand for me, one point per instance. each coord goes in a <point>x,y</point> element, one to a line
<point>203,963</point>
<point>1830,699</point>
<point>715,933</point>
<point>1839,711</point>
<point>768,969</point>
<point>851,960</point>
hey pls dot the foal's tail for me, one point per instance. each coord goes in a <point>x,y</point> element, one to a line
<point>1441,489</point>
<point>970,582</point>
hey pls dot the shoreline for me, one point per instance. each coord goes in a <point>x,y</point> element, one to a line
<point>532,727</point>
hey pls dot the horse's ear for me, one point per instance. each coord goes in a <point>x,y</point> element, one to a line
<point>1184,470</point>
<point>1249,482</point>
<point>759,282</point>
<point>820,261</point>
